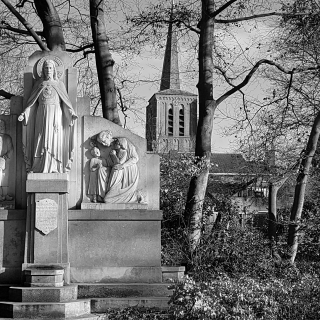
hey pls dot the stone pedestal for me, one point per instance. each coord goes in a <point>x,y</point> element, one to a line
<point>47,222</point>
<point>44,276</point>
<point>116,246</point>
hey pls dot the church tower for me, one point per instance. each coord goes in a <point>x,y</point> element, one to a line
<point>171,113</point>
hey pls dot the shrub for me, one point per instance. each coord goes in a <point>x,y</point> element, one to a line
<point>136,313</point>
<point>246,298</point>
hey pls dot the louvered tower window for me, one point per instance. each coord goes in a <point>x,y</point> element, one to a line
<point>181,121</point>
<point>170,121</point>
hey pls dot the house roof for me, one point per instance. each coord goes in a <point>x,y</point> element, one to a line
<point>227,162</point>
<point>176,92</point>
<point>230,164</point>
<point>234,163</point>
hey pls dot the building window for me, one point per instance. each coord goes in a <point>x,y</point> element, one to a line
<point>170,120</point>
<point>181,121</point>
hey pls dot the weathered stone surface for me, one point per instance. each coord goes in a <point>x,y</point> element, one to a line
<point>115,246</point>
<point>46,215</point>
<point>85,317</point>
<point>4,291</point>
<point>47,186</point>
<point>44,279</point>
<point>121,290</point>
<point>148,164</point>
<point>44,284</point>
<point>44,276</point>
<point>44,270</point>
<point>46,247</point>
<point>8,156</point>
<point>103,304</point>
<point>113,206</point>
<point>117,215</point>
<point>172,273</point>
<point>102,274</point>
<point>51,310</point>
<point>32,294</point>
<point>12,235</point>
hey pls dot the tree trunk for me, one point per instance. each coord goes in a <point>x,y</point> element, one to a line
<point>274,187</point>
<point>27,25</point>
<point>299,194</point>
<point>207,106</point>
<point>104,62</point>
<point>52,27</point>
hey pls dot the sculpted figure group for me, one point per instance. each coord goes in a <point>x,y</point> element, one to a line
<point>114,178</point>
<point>48,132</point>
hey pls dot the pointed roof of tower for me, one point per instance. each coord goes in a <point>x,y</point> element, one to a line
<point>170,70</point>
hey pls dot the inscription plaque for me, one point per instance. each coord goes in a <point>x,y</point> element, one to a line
<point>46,215</point>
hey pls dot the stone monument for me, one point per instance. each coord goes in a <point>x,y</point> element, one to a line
<point>48,144</point>
<point>85,193</point>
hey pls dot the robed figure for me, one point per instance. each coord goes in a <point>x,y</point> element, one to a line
<point>48,135</point>
<point>124,176</point>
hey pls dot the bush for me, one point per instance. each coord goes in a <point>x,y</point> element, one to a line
<point>136,313</point>
<point>246,298</point>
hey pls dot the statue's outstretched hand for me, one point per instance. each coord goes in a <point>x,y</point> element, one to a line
<point>74,117</point>
<point>21,117</point>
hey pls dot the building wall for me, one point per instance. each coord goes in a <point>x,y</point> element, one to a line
<point>159,138</point>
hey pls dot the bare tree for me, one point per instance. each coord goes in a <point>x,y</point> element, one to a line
<point>74,23</point>
<point>212,14</point>
<point>104,62</point>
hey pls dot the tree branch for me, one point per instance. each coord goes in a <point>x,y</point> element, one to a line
<point>255,16</point>
<point>290,85</point>
<point>122,107</point>
<point>82,48</point>
<point>254,69</point>
<point>27,25</point>
<point>5,94</point>
<point>85,54</point>
<point>16,30</point>
<point>21,3</point>
<point>222,8</point>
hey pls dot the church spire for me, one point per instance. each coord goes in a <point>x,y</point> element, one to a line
<point>170,70</point>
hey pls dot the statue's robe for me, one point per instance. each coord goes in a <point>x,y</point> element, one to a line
<point>123,183</point>
<point>48,135</point>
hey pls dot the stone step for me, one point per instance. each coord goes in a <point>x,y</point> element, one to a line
<point>100,305</point>
<point>4,291</point>
<point>32,310</point>
<point>122,290</point>
<point>85,317</point>
<point>43,294</point>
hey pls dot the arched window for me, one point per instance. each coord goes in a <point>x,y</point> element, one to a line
<point>181,121</point>
<point>170,120</point>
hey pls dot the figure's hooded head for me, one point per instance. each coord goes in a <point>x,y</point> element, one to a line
<point>123,143</point>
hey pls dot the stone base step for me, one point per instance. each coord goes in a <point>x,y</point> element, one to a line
<point>47,310</point>
<point>43,294</point>
<point>4,291</point>
<point>100,305</point>
<point>86,317</point>
<point>122,290</point>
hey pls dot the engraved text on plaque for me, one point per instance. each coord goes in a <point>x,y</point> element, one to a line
<point>46,215</point>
